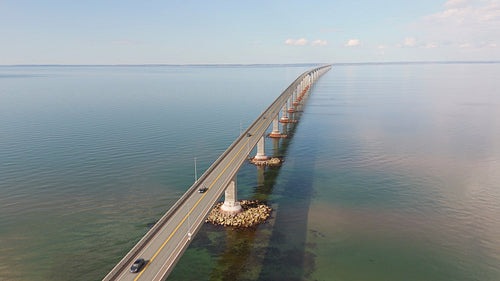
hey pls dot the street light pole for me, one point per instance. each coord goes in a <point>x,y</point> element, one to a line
<point>195,174</point>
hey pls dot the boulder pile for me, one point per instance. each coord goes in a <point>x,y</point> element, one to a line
<point>254,212</point>
<point>273,162</point>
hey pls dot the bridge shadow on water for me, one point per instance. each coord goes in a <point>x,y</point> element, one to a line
<point>273,251</point>
<point>286,256</point>
<point>282,255</point>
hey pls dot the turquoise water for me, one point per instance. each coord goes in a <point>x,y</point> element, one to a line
<point>392,172</point>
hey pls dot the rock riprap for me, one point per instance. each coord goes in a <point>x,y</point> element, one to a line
<point>273,162</point>
<point>254,212</point>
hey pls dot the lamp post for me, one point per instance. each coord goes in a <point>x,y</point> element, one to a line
<point>195,174</point>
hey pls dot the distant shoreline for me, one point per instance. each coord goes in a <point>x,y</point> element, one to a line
<point>255,64</point>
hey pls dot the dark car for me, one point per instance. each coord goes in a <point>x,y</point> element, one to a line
<point>137,265</point>
<point>202,189</point>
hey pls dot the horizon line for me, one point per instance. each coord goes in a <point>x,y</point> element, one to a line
<point>266,64</point>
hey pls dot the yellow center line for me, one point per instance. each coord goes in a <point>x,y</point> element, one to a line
<point>199,200</point>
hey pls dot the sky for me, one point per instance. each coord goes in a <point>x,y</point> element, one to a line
<point>247,32</point>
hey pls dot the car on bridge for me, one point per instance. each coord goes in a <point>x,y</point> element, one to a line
<point>203,189</point>
<point>137,265</point>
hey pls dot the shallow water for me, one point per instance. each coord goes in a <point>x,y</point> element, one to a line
<point>391,174</point>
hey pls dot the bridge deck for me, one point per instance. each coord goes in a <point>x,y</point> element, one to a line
<point>164,244</point>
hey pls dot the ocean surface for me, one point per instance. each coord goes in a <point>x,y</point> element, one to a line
<point>391,173</point>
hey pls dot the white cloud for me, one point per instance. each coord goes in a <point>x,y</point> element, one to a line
<point>430,46</point>
<point>352,43</point>
<point>299,42</point>
<point>319,43</point>
<point>456,3</point>
<point>410,42</point>
<point>303,42</point>
<point>477,45</point>
<point>381,47</point>
<point>486,45</point>
<point>472,21</point>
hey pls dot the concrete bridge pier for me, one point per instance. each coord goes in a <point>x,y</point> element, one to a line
<point>284,116</point>
<point>231,205</point>
<point>301,90</point>
<point>261,151</point>
<point>295,102</point>
<point>291,109</point>
<point>276,129</point>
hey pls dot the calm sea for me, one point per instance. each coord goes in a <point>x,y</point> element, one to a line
<point>392,173</point>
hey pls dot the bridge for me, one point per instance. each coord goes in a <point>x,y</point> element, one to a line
<point>167,240</point>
